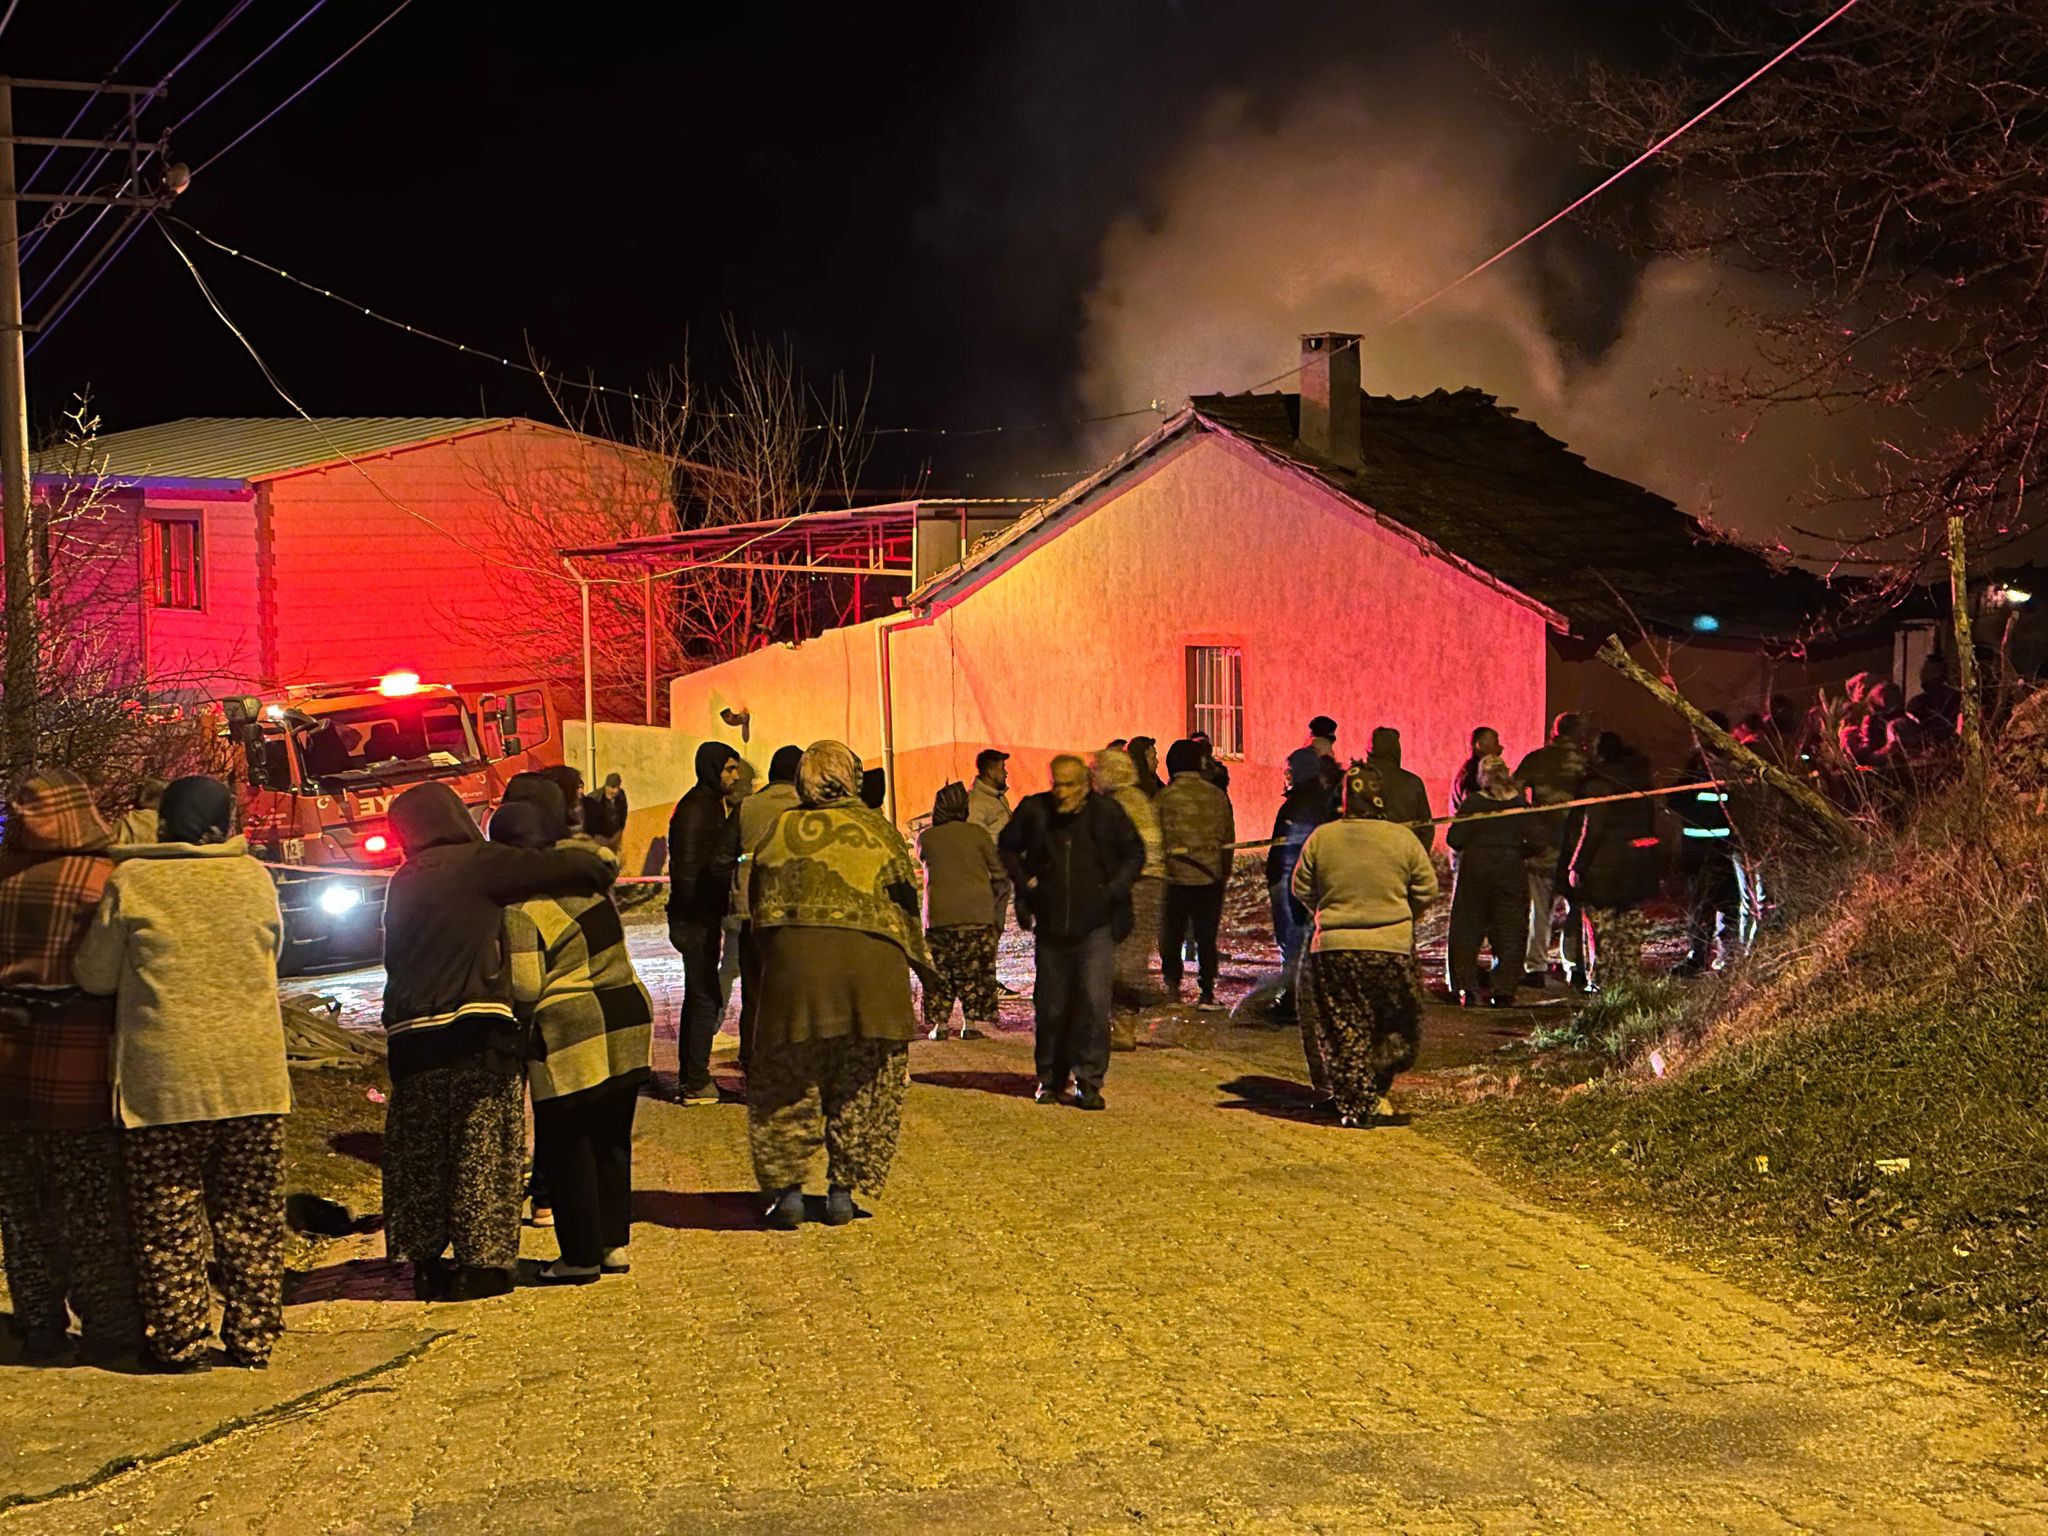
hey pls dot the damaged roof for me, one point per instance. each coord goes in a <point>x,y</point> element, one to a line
<point>1500,495</point>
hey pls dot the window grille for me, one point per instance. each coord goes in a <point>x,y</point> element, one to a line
<point>1216,696</point>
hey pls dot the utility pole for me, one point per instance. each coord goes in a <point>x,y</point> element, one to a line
<point>20,682</point>
<point>20,673</point>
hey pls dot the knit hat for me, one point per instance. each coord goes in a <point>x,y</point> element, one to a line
<point>1323,725</point>
<point>1184,757</point>
<point>520,824</point>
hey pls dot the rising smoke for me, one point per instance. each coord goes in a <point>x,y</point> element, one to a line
<point>1360,197</point>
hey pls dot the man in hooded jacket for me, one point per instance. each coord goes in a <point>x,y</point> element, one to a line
<point>703,851</point>
<point>1406,795</point>
<point>1306,807</point>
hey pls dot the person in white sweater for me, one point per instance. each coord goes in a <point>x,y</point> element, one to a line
<point>1366,880</point>
<point>186,940</point>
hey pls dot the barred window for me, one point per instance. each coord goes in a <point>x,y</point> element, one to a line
<point>1216,696</point>
<point>174,559</point>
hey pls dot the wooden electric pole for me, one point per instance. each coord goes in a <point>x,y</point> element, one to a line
<point>20,673</point>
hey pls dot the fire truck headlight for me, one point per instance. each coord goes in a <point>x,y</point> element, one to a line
<point>337,899</point>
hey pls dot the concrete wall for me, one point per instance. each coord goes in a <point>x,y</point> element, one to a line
<point>655,765</point>
<point>1083,637</point>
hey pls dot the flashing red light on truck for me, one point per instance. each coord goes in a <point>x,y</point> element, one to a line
<point>399,685</point>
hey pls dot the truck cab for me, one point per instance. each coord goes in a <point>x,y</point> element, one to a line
<point>324,763</point>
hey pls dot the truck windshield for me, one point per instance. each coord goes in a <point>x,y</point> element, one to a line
<point>393,733</point>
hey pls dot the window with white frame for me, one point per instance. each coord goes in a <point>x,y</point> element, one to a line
<point>175,553</point>
<point>1216,696</point>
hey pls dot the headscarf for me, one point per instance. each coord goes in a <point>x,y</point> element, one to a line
<point>1145,758</point>
<point>828,773</point>
<point>521,824</point>
<point>52,870</point>
<point>1497,780</point>
<point>1365,796</point>
<point>432,816</point>
<point>542,792</point>
<point>833,863</point>
<point>196,809</point>
<point>1114,770</point>
<point>950,804</point>
<point>1184,757</point>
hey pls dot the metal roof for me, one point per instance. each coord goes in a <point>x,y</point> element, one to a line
<point>872,540</point>
<point>239,449</point>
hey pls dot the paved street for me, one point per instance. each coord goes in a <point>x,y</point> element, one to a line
<point>1198,1311</point>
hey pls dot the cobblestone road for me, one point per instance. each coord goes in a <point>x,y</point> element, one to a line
<point>1177,1315</point>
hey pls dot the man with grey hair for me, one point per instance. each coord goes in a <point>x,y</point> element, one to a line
<point>1073,857</point>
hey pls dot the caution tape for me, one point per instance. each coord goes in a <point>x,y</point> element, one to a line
<point>1520,810</point>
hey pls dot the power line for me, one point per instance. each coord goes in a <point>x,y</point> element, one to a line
<point>591,386</point>
<point>1586,197</point>
<point>295,95</point>
<point>268,48</point>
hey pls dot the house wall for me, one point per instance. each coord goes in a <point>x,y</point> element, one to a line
<point>94,616</point>
<point>656,766</point>
<point>1083,638</point>
<point>413,560</point>
<point>219,646</point>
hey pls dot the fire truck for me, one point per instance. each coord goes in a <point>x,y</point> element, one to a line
<point>322,766</point>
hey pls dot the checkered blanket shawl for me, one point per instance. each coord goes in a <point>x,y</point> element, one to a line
<point>54,1039</point>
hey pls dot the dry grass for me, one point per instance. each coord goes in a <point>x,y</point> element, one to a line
<point>1862,1098</point>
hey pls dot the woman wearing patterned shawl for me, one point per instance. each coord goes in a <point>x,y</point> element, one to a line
<point>834,904</point>
<point>62,1210</point>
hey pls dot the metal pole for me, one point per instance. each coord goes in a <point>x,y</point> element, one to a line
<point>20,682</point>
<point>589,691</point>
<point>647,613</point>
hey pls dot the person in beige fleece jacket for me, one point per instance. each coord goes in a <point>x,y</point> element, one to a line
<point>1366,879</point>
<point>186,940</point>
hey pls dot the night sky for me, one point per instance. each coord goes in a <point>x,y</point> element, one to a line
<point>920,191</point>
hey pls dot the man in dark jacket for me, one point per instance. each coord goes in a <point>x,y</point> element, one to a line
<point>1552,775</point>
<point>1198,827</point>
<point>1485,744</point>
<point>703,849</point>
<point>1213,767</point>
<point>1609,863</point>
<point>1073,857</point>
<point>604,813</point>
<point>1406,795</point>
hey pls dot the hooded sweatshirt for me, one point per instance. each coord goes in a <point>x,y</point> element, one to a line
<point>1306,807</point>
<point>1195,820</point>
<point>448,988</point>
<point>1117,777</point>
<point>1407,796</point>
<point>186,940</point>
<point>703,846</point>
<point>1612,848</point>
<point>962,870</point>
<point>55,1040</point>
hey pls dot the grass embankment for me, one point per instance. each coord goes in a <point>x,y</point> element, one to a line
<point>1862,1099</point>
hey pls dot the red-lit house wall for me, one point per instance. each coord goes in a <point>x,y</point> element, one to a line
<point>1083,639</point>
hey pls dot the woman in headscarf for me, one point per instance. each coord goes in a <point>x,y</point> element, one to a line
<point>1366,879</point>
<point>1116,775</point>
<point>455,1130</point>
<point>834,906</point>
<point>962,873</point>
<point>63,1215</point>
<point>1490,901</point>
<point>186,941</point>
<point>592,1035</point>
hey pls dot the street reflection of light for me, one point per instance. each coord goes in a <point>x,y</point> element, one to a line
<point>337,899</point>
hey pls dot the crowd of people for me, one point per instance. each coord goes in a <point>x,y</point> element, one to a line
<point>143,1078</point>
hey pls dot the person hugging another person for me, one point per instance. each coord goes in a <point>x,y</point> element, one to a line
<point>590,1050</point>
<point>455,1130</point>
<point>186,940</point>
<point>63,1214</point>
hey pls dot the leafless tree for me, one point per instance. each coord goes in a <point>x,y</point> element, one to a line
<point>1892,177</point>
<point>763,447</point>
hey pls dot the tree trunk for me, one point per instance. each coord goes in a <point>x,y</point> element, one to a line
<point>1805,796</point>
<point>1972,724</point>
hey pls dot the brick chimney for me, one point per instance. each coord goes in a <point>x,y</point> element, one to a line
<point>1329,397</point>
